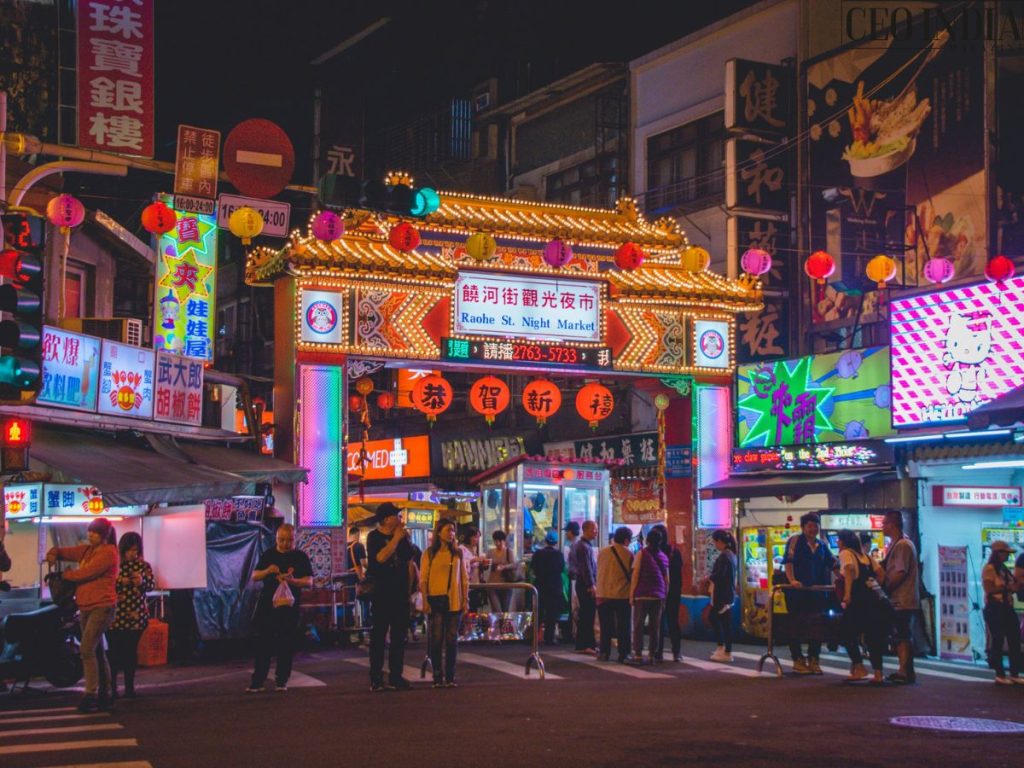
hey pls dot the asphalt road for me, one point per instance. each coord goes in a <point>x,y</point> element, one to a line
<point>585,713</point>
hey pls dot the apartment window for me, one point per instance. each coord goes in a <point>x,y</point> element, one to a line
<point>75,291</point>
<point>685,165</point>
<point>595,182</point>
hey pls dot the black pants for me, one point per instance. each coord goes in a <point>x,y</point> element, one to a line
<point>670,625</point>
<point>799,616</point>
<point>444,636</point>
<point>276,632</point>
<point>390,616</point>
<point>588,612</point>
<point>123,655</point>
<point>1003,627</point>
<point>613,616</point>
<point>721,624</point>
<point>862,618</point>
<point>549,610</point>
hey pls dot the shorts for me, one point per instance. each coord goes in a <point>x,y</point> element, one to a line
<point>903,624</point>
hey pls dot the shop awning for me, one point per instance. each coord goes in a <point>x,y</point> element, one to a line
<point>127,472</point>
<point>1002,412</point>
<point>253,466</point>
<point>783,484</point>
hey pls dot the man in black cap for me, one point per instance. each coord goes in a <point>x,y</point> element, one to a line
<point>388,552</point>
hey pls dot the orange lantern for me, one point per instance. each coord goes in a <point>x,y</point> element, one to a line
<point>364,385</point>
<point>385,401</point>
<point>541,399</point>
<point>432,395</point>
<point>595,402</point>
<point>881,269</point>
<point>489,396</point>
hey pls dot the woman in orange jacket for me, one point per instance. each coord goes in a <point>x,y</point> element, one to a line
<point>96,595</point>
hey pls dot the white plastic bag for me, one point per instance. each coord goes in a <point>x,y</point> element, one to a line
<point>283,597</point>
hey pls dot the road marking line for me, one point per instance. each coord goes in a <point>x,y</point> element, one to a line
<point>36,711</point>
<point>64,729</point>
<point>788,663</point>
<point>302,680</point>
<point>60,746</point>
<point>268,159</point>
<point>920,669</point>
<point>506,667</point>
<point>125,764</point>
<point>613,667</point>
<point>365,662</point>
<point>715,666</point>
<point>51,718</point>
<point>846,672</point>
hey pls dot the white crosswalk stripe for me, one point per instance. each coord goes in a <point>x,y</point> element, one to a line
<point>613,667</point>
<point>919,670</point>
<point>505,667</point>
<point>42,731</point>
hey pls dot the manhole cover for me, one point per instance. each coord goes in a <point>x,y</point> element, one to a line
<point>958,724</point>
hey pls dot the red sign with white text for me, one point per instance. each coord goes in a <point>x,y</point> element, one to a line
<point>389,459</point>
<point>976,496</point>
<point>115,76</point>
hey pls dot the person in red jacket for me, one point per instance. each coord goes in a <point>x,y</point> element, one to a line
<point>96,595</point>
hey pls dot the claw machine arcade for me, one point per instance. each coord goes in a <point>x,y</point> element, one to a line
<point>762,551</point>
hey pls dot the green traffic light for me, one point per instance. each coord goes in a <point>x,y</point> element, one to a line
<point>18,372</point>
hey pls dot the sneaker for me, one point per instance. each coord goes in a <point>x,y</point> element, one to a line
<point>677,657</point>
<point>437,684</point>
<point>451,684</point>
<point>815,666</point>
<point>901,679</point>
<point>376,687</point>
<point>721,655</point>
<point>401,684</point>
<point>800,667</point>
<point>253,689</point>
<point>1000,680</point>
<point>280,688</point>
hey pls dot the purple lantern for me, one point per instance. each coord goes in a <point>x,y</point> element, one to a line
<point>557,254</point>
<point>939,270</point>
<point>327,226</point>
<point>756,261</point>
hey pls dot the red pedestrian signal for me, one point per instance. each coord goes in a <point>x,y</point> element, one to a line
<point>17,433</point>
<point>21,301</point>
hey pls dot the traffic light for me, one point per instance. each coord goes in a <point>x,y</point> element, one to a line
<point>375,195</point>
<point>15,441</point>
<point>21,301</point>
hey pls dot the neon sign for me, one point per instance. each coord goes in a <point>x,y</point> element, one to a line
<point>516,352</point>
<point>822,456</point>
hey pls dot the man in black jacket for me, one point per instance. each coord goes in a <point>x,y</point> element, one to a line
<point>548,564</point>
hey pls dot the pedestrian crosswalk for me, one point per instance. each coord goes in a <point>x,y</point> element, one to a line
<point>61,736</point>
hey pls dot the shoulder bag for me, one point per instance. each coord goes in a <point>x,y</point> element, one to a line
<point>622,565</point>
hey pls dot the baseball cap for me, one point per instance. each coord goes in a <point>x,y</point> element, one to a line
<point>551,538</point>
<point>387,509</point>
<point>572,527</point>
<point>1002,546</point>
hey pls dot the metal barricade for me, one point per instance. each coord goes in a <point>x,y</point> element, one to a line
<point>534,660</point>
<point>778,589</point>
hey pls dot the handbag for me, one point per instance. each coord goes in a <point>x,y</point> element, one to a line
<point>62,591</point>
<point>283,597</point>
<point>440,603</point>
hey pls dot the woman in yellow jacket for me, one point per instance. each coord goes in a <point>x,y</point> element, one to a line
<point>445,588</point>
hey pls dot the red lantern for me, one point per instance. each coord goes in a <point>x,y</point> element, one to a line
<point>541,399</point>
<point>355,403</point>
<point>629,256</point>
<point>489,396</point>
<point>432,395</point>
<point>819,266</point>
<point>158,218</point>
<point>385,401</point>
<point>404,237</point>
<point>999,269</point>
<point>364,385</point>
<point>594,402</point>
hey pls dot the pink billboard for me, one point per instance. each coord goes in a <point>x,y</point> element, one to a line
<point>955,350</point>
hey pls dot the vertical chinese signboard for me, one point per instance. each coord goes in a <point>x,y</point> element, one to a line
<point>126,381</point>
<point>954,605</point>
<point>115,76</point>
<point>71,366</point>
<point>197,162</point>
<point>186,287</point>
<point>179,389</point>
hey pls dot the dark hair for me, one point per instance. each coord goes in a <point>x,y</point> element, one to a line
<point>622,535</point>
<point>129,540</point>
<point>499,535</point>
<point>665,546</point>
<point>866,542</point>
<point>810,517</point>
<point>353,529</point>
<point>850,540</point>
<point>726,538</point>
<point>895,517</point>
<point>469,532</point>
<point>654,538</point>
<point>435,545</point>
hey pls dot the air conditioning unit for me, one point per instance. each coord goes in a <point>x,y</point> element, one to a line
<point>126,330</point>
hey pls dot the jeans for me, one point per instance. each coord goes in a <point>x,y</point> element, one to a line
<point>721,624</point>
<point>585,626</point>
<point>649,609</point>
<point>1003,626</point>
<point>670,625</point>
<point>276,632</point>
<point>123,655</point>
<point>390,615</point>
<point>613,616</point>
<point>94,622</point>
<point>500,600</point>
<point>444,635</point>
<point>862,618</point>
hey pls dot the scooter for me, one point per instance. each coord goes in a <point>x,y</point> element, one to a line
<point>40,643</point>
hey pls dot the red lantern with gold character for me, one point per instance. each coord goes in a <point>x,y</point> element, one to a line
<point>489,396</point>
<point>432,395</point>
<point>404,237</point>
<point>594,403</point>
<point>385,401</point>
<point>629,256</point>
<point>541,399</point>
<point>158,218</point>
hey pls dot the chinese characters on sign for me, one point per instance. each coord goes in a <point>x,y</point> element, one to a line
<point>126,381</point>
<point>71,367</point>
<point>823,456</point>
<point>71,500</point>
<point>765,333</point>
<point>639,450</point>
<point>22,501</point>
<point>976,496</point>
<point>758,97</point>
<point>179,389</point>
<point>516,352</point>
<point>491,304</point>
<point>186,287</point>
<point>115,76</point>
<point>197,163</point>
<point>548,473</point>
<point>757,177</point>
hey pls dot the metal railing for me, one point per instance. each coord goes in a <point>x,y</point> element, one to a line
<point>770,652</point>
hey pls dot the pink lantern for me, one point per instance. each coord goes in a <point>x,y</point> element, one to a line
<point>557,253</point>
<point>328,226</point>
<point>65,211</point>
<point>939,270</point>
<point>756,261</point>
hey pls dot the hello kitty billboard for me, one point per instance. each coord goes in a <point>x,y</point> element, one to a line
<point>955,350</point>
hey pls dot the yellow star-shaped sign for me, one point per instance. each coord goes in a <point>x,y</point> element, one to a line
<point>185,276</point>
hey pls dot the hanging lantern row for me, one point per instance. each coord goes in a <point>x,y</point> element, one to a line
<point>594,402</point>
<point>756,261</point>
<point>481,246</point>
<point>557,253</point>
<point>489,396</point>
<point>541,399</point>
<point>432,395</point>
<point>629,256</point>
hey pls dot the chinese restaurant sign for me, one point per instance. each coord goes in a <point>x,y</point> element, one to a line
<point>71,367</point>
<point>517,306</point>
<point>822,456</point>
<point>126,381</point>
<point>73,499</point>
<point>179,389</point>
<point>976,496</point>
<point>823,398</point>
<point>640,450</point>
<point>197,162</point>
<point>186,277</point>
<point>389,459</point>
<point>115,76</point>
<point>23,501</point>
<point>955,350</point>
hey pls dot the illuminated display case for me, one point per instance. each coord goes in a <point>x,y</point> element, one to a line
<point>763,550</point>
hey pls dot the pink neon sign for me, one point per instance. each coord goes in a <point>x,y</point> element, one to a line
<point>955,350</point>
